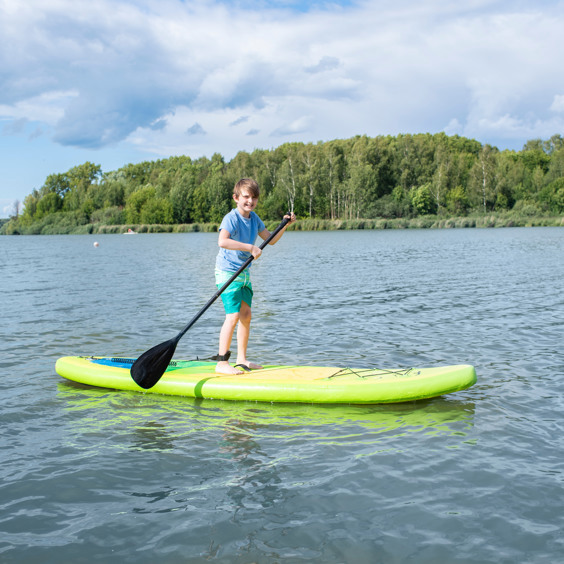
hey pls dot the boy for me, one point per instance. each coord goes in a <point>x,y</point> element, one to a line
<point>237,234</point>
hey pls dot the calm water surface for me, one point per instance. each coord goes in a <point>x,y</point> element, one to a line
<point>91,475</point>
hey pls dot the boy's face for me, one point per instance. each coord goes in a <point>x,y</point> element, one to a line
<point>246,202</point>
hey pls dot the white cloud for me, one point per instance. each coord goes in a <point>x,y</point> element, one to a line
<point>47,107</point>
<point>558,103</point>
<point>131,68</point>
<point>140,74</point>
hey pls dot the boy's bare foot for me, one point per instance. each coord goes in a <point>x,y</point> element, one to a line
<point>250,365</point>
<point>226,368</point>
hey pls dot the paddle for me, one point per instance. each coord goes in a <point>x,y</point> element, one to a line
<point>151,365</point>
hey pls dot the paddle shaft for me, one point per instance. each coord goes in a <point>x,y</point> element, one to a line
<point>283,224</point>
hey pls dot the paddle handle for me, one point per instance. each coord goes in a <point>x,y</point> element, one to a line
<point>283,224</point>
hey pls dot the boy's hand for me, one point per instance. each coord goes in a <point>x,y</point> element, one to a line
<point>291,217</point>
<point>256,251</point>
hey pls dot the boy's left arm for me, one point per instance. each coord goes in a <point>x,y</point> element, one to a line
<point>265,233</point>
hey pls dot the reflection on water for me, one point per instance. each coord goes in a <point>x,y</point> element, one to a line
<point>159,421</point>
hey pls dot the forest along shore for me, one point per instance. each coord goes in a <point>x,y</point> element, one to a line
<point>404,181</point>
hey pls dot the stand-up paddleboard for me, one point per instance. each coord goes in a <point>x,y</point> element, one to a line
<point>305,384</point>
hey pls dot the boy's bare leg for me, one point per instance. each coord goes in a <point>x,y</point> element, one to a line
<point>225,336</point>
<point>243,332</point>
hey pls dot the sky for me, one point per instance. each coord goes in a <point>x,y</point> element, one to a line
<point>124,81</point>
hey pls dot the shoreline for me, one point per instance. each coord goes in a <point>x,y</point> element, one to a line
<point>491,220</point>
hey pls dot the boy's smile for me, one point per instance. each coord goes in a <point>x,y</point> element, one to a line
<point>246,203</point>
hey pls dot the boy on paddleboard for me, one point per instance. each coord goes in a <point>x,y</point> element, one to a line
<point>237,235</point>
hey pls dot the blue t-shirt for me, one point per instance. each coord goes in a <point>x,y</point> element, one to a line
<point>243,230</point>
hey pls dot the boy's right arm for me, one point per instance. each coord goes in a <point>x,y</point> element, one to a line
<point>226,242</point>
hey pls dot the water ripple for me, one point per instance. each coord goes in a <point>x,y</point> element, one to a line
<point>91,475</point>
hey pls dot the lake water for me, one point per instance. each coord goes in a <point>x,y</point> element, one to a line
<point>91,475</point>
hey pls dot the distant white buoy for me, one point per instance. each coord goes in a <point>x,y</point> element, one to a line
<point>96,244</point>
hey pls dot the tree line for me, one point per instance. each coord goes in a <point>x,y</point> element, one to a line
<point>401,176</point>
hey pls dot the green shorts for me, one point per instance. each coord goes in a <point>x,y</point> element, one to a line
<point>240,290</point>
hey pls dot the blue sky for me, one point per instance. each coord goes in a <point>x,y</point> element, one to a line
<point>120,81</point>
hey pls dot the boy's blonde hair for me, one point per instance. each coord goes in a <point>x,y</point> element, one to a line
<point>247,184</point>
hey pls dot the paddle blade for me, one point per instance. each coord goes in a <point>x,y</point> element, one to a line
<point>151,365</point>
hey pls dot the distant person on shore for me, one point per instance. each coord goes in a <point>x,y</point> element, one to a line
<point>237,235</point>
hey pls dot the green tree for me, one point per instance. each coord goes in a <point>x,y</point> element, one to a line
<point>509,174</point>
<point>333,173</point>
<point>440,183</point>
<point>81,181</point>
<point>360,185</point>
<point>482,182</point>
<point>156,210</point>
<point>48,204</point>
<point>534,156</point>
<point>30,207</point>
<point>110,193</point>
<point>362,182</point>
<point>556,166</point>
<point>311,160</point>
<point>289,178</point>
<point>457,201</point>
<point>555,143</point>
<point>219,193</point>
<point>135,202</point>
<point>551,197</point>
<point>182,193</point>
<point>422,200</point>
